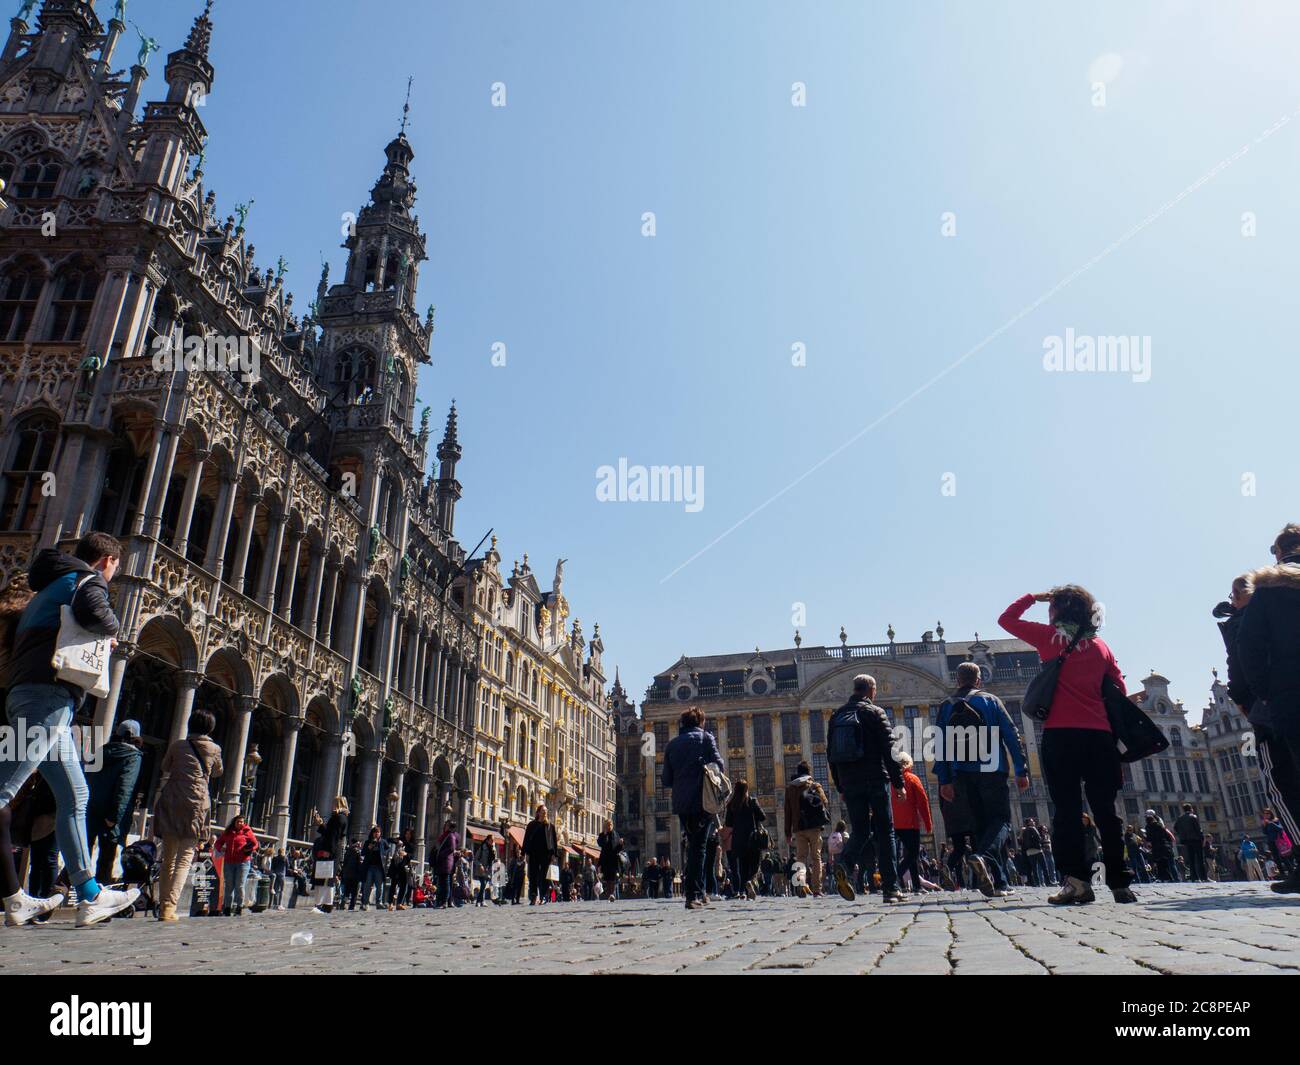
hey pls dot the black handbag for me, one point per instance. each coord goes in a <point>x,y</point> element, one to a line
<point>1136,735</point>
<point>1037,702</point>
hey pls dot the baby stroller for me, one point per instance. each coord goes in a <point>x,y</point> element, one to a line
<point>140,867</point>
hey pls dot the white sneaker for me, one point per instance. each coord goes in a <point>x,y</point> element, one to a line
<point>21,908</point>
<point>108,903</point>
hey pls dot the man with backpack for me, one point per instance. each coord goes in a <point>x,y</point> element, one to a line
<point>805,817</point>
<point>859,747</point>
<point>980,787</point>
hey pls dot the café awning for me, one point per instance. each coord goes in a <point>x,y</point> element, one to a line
<point>478,835</point>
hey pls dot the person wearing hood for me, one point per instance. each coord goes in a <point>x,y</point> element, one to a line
<point>39,703</point>
<point>112,791</point>
<point>1268,646</point>
<point>806,815</point>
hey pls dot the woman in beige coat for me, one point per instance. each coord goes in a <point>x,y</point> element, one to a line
<point>183,808</point>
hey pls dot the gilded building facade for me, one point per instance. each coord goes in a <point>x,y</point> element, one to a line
<point>288,564</point>
<point>544,734</point>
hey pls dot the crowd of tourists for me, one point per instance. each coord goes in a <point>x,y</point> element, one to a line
<point>54,821</point>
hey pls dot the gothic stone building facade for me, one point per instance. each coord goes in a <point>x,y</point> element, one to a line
<point>287,564</point>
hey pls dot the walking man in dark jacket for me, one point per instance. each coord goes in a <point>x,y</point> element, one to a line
<point>860,752</point>
<point>1190,838</point>
<point>1268,645</point>
<point>684,761</point>
<point>39,704</point>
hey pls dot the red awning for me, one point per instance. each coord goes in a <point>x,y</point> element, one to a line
<point>517,834</point>
<point>480,834</point>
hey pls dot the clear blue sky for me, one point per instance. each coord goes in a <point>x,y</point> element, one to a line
<point>819,225</point>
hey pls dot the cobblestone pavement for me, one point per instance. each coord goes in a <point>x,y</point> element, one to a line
<point>1221,929</point>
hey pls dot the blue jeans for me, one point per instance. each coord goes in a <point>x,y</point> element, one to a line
<point>48,707</point>
<point>872,818</point>
<point>232,880</point>
<point>695,827</point>
<point>375,876</point>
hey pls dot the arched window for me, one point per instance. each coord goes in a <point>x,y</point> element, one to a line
<point>119,499</point>
<point>372,268</point>
<point>391,270</point>
<point>20,289</point>
<point>74,295</point>
<point>510,669</point>
<point>1176,737</point>
<point>165,313</point>
<point>30,457</point>
<point>35,179</point>
<point>354,370</point>
<point>402,394</point>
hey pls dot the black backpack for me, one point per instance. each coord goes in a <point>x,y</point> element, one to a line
<point>812,811</point>
<point>844,737</point>
<point>964,715</point>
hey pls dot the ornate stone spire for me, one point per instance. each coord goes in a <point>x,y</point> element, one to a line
<point>201,32</point>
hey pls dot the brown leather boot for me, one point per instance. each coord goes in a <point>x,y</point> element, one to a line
<point>168,912</point>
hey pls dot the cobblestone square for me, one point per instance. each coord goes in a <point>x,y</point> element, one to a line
<point>1203,929</point>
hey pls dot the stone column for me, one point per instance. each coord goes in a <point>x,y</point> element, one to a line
<point>284,604</point>
<point>187,683</point>
<point>106,710</point>
<point>266,591</point>
<point>462,813</point>
<point>157,498</point>
<point>444,802</point>
<point>327,614</point>
<point>232,779</point>
<point>187,503</point>
<point>421,824</point>
<point>315,577</point>
<point>331,776</point>
<point>412,661</point>
<point>368,796</point>
<point>150,473</point>
<point>280,818</point>
<point>399,781</point>
<point>215,559</point>
<point>251,503</point>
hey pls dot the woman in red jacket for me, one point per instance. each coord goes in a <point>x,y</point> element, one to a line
<point>1078,749</point>
<point>911,816</point>
<point>236,845</point>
